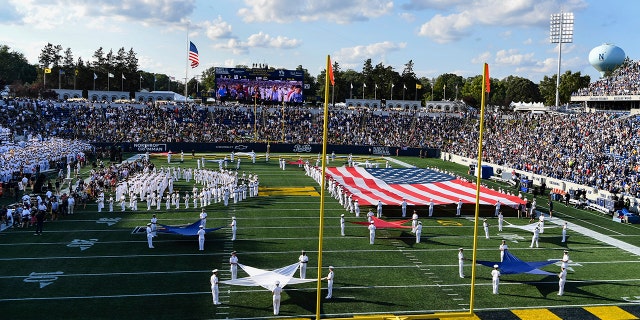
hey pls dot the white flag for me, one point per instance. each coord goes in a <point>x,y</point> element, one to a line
<point>95,76</point>
<point>392,85</point>
<point>364,85</point>
<point>123,78</point>
<point>376,86</point>
<point>111,75</point>
<point>352,85</point>
<point>404,86</point>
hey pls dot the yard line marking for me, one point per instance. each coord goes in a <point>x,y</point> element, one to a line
<point>600,237</point>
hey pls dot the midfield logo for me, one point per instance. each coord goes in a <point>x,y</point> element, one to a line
<point>43,278</point>
<point>109,221</point>
<point>82,244</point>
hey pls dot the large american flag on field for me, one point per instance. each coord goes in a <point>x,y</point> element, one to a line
<point>417,186</point>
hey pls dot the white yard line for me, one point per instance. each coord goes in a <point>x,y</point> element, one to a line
<point>598,236</point>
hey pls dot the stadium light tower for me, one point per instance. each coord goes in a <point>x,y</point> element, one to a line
<point>561,32</point>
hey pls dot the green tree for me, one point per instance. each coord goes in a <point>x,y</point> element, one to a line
<point>569,83</point>
<point>520,89</point>
<point>14,67</point>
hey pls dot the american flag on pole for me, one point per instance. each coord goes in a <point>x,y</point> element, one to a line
<point>193,55</point>
<point>417,186</point>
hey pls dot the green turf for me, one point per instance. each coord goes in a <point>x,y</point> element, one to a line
<point>117,276</point>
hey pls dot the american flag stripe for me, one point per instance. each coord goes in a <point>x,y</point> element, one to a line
<point>193,55</point>
<point>368,189</point>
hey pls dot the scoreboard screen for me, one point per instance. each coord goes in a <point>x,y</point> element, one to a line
<point>262,85</point>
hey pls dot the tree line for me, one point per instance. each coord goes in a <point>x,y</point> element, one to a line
<point>119,70</point>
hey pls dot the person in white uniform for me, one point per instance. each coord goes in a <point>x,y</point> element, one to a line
<point>214,286</point>
<point>154,225</point>
<point>149,236</point>
<point>277,292</point>
<point>233,262</point>
<point>430,207</point>
<point>329,279</point>
<point>372,232</point>
<point>418,231</point>
<point>201,233</point>
<point>379,209</point>
<point>565,259</point>
<point>461,262</point>
<point>234,228</point>
<point>304,260</point>
<point>495,278</point>
<point>459,207</point>
<point>203,218</point>
<point>503,248</point>
<point>342,224</point>
<point>534,238</point>
<point>564,232</point>
<point>562,280</point>
<point>404,207</point>
<point>485,226</point>
<point>414,221</point>
<point>500,221</point>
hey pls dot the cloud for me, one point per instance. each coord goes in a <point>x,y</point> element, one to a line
<point>466,16</point>
<point>48,14</point>
<point>431,4</point>
<point>266,41</point>
<point>258,40</point>
<point>376,51</point>
<point>443,29</point>
<point>217,29</point>
<point>513,57</point>
<point>9,14</point>
<point>338,11</point>
<point>408,17</point>
<point>235,46</point>
<point>482,58</point>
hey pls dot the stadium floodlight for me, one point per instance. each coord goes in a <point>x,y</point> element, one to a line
<point>561,31</point>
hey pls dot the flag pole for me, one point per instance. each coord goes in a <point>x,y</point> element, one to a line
<point>186,67</point>
<point>485,88</point>
<point>322,186</point>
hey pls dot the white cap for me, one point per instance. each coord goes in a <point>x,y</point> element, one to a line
<point>342,215</point>
<point>149,223</point>
<point>419,222</point>
<point>495,265</point>
<point>330,267</point>
<point>371,222</point>
<point>277,283</point>
<point>214,270</point>
<point>201,226</point>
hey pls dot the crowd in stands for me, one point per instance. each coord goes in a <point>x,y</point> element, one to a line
<point>623,81</point>
<point>594,149</point>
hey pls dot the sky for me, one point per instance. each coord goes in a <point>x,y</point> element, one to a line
<point>439,36</point>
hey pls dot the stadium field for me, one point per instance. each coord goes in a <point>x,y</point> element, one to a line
<point>94,265</point>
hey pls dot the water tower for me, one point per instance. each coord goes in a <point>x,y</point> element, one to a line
<point>606,57</point>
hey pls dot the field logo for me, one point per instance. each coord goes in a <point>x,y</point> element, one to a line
<point>511,237</point>
<point>109,221</point>
<point>569,264</point>
<point>636,300</point>
<point>43,278</point>
<point>82,244</point>
<point>449,223</point>
<point>302,148</point>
